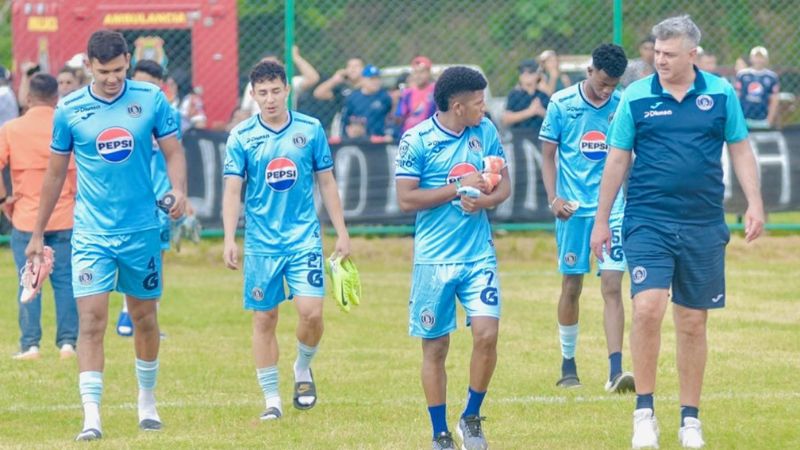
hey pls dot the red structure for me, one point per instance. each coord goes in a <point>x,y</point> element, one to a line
<point>52,32</point>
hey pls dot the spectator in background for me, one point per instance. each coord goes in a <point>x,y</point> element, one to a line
<point>25,149</point>
<point>706,61</point>
<point>307,78</point>
<point>68,81</point>
<point>643,65</point>
<point>758,89</point>
<point>552,79</point>
<point>192,109</point>
<point>365,110</point>
<point>337,88</point>
<point>78,63</point>
<point>9,109</point>
<point>526,104</point>
<point>416,101</point>
<point>238,116</point>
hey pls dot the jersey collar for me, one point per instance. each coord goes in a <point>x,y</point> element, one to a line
<point>699,84</point>
<point>111,101</point>
<point>586,99</point>
<point>280,130</point>
<point>445,130</point>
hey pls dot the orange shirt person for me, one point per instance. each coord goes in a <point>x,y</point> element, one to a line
<point>25,149</point>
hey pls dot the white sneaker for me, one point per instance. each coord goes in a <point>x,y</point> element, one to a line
<point>67,351</point>
<point>645,429</point>
<point>691,433</point>
<point>31,353</point>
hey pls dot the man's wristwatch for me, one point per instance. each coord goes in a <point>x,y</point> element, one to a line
<point>3,200</point>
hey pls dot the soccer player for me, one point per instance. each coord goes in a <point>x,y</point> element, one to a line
<point>109,126</point>
<point>454,254</point>
<point>149,71</point>
<point>575,128</point>
<point>279,151</point>
<point>674,234</point>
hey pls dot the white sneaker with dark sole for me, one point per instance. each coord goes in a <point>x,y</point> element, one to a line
<point>621,383</point>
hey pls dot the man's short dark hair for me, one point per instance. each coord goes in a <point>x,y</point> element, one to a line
<point>456,80</point>
<point>648,39</point>
<point>105,45</point>
<point>149,67</point>
<point>43,86</point>
<point>610,59</point>
<point>267,71</point>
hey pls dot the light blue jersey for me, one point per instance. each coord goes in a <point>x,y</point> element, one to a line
<point>158,165</point>
<point>113,145</point>
<point>579,129</point>
<point>436,157</point>
<point>279,165</point>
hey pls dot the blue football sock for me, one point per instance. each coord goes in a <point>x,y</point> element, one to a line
<point>438,418</point>
<point>688,411</point>
<point>474,401</point>
<point>568,367</point>
<point>614,365</point>
<point>644,401</point>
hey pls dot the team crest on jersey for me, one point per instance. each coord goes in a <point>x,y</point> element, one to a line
<point>593,146</point>
<point>459,171</point>
<point>638,275</point>
<point>257,294</point>
<point>299,140</point>
<point>281,174</point>
<point>704,102</point>
<point>115,144</point>
<point>134,110</point>
<point>427,319</point>
<point>475,144</point>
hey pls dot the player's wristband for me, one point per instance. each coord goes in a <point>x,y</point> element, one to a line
<point>458,184</point>
<point>552,203</point>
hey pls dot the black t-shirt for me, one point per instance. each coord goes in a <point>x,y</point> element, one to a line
<point>520,99</point>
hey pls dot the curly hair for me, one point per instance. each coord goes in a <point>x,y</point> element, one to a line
<point>267,71</point>
<point>456,80</point>
<point>611,59</point>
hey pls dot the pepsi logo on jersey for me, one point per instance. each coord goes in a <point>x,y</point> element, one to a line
<point>281,174</point>
<point>115,144</point>
<point>593,146</point>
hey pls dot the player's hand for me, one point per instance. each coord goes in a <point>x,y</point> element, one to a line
<point>601,238</point>
<point>475,179</point>
<point>342,247</point>
<point>470,204</point>
<point>230,254</point>
<point>35,248</point>
<point>8,207</point>
<point>177,210</point>
<point>536,108</point>
<point>561,209</point>
<point>295,52</point>
<point>753,222</point>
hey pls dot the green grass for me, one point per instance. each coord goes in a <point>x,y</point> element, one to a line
<point>367,369</point>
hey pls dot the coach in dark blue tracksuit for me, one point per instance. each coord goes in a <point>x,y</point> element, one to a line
<point>676,121</point>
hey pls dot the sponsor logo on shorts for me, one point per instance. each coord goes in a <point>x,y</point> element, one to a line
<point>281,174</point>
<point>115,144</point>
<point>570,259</point>
<point>257,294</point>
<point>427,319</point>
<point>134,110</point>
<point>299,140</point>
<point>489,296</point>
<point>718,298</point>
<point>704,102</point>
<point>315,278</point>
<point>638,274</point>
<point>85,277</point>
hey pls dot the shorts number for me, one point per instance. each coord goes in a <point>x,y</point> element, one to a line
<point>616,245</point>
<point>314,260</point>
<point>490,276</point>
<point>152,264</point>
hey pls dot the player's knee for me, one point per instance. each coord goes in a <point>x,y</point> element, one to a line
<point>571,288</point>
<point>435,350</point>
<point>311,318</point>
<point>612,293</point>
<point>485,339</point>
<point>647,315</point>
<point>264,322</point>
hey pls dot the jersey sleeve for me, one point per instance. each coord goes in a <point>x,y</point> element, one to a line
<point>165,124</point>
<point>62,134</point>
<point>235,158</point>
<point>622,131</point>
<point>735,124</point>
<point>408,163</point>
<point>321,153</point>
<point>551,126</point>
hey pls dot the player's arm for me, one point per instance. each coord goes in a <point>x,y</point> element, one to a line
<point>534,109</point>
<point>333,204</point>
<point>554,202</point>
<point>617,164</point>
<point>744,164</point>
<point>176,171</point>
<point>231,208</point>
<point>411,198</point>
<point>309,73</point>
<point>53,182</point>
<point>492,199</point>
<point>5,157</point>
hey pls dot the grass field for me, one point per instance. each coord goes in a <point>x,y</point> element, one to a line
<point>367,369</point>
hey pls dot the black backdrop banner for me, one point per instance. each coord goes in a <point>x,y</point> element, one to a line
<point>365,171</point>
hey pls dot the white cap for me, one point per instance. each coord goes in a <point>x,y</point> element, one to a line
<point>77,61</point>
<point>759,50</point>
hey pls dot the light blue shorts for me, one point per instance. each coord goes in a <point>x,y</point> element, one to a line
<point>264,276</point>
<point>129,263</point>
<point>574,253</point>
<point>434,288</point>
